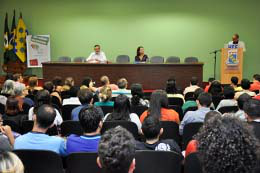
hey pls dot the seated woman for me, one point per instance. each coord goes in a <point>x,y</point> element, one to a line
<point>216,91</point>
<point>7,90</point>
<point>122,112</point>
<point>68,83</point>
<point>105,96</point>
<point>159,107</point>
<point>10,163</point>
<point>172,91</point>
<point>137,96</point>
<point>33,87</point>
<point>88,83</point>
<point>140,56</point>
<point>49,86</point>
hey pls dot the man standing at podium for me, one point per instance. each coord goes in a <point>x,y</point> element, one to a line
<point>235,40</point>
<point>97,56</point>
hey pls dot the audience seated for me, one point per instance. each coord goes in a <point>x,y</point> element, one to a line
<point>105,96</point>
<point>86,99</point>
<point>255,86</point>
<point>37,139</point>
<point>68,83</point>
<point>252,110</point>
<point>152,130</point>
<point>204,101</point>
<point>122,88</point>
<point>43,97</point>
<point>192,103</point>
<point>6,137</point>
<point>159,107</point>
<point>20,93</point>
<point>257,96</point>
<point>193,85</point>
<point>91,122</point>
<point>105,82</point>
<point>229,94</point>
<point>234,84</point>
<point>226,144</point>
<point>57,84</point>
<point>122,112</point>
<point>242,99</point>
<point>245,84</point>
<point>7,90</point>
<point>116,151</point>
<point>88,83</point>
<point>33,87</point>
<point>10,163</point>
<point>18,79</point>
<point>137,96</point>
<point>171,89</point>
<point>51,88</point>
<point>216,92</point>
<point>211,79</point>
<point>73,100</point>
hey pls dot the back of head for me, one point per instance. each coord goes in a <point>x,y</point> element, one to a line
<point>86,81</point>
<point>17,76</point>
<point>45,116</point>
<point>48,86</point>
<point>158,100</point>
<point>8,87</point>
<point>151,127</point>
<point>234,80</point>
<point>12,106</point>
<point>226,144</point>
<point>85,96</point>
<point>57,81</point>
<point>104,80</point>
<point>205,99</point>
<point>18,90</point>
<point>194,81</point>
<point>256,77</point>
<point>42,97</point>
<point>9,76</point>
<point>197,92</point>
<point>121,109</point>
<point>245,84</point>
<point>69,81</point>
<point>211,79</point>
<point>242,99</point>
<point>210,115</point>
<point>10,163</point>
<point>105,93</point>
<point>73,91</point>
<point>137,93</point>
<point>116,150</point>
<point>171,86</point>
<point>215,88</point>
<point>252,108</point>
<point>33,81</point>
<point>122,83</point>
<point>90,119</point>
<point>229,92</point>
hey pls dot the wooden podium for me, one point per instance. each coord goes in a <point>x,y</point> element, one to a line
<point>231,64</point>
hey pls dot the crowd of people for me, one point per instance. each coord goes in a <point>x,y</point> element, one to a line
<point>226,142</point>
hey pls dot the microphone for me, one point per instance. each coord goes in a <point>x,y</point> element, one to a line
<point>215,51</point>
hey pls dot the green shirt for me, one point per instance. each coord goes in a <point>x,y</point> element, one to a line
<point>109,103</point>
<point>188,104</point>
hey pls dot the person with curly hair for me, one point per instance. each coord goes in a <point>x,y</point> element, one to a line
<point>226,144</point>
<point>116,151</point>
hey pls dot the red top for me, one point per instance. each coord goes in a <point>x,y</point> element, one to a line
<point>191,147</point>
<point>207,88</point>
<point>255,86</point>
<point>257,97</point>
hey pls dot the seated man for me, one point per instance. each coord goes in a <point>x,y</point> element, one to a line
<point>122,85</point>
<point>192,103</point>
<point>116,151</point>
<point>97,56</point>
<point>240,102</point>
<point>37,139</point>
<point>234,84</point>
<point>204,101</point>
<point>193,86</point>
<point>106,82</point>
<point>152,130</point>
<point>245,84</point>
<point>255,86</point>
<point>86,99</point>
<point>228,100</point>
<point>91,122</point>
<point>252,110</point>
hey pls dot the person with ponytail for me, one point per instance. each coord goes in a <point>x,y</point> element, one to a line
<point>105,96</point>
<point>137,96</point>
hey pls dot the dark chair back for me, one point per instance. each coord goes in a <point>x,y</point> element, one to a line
<point>173,59</point>
<point>192,164</point>
<point>170,131</point>
<point>66,111</point>
<point>191,60</point>
<point>175,101</point>
<point>79,59</point>
<point>2,109</point>
<point>228,109</point>
<point>189,96</point>
<point>157,60</point>
<point>178,110</point>
<point>27,126</point>
<point>122,59</point>
<point>139,110</point>
<point>56,102</point>
<point>71,127</point>
<point>26,108</point>
<point>107,109</point>
<point>82,163</point>
<point>216,100</point>
<point>65,95</point>
<point>14,126</point>
<point>128,125</point>
<point>193,108</point>
<point>189,131</point>
<point>40,161</point>
<point>64,59</point>
<point>157,161</point>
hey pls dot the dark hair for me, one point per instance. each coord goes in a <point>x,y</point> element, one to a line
<point>73,91</point>
<point>16,76</point>
<point>89,118</point>
<point>121,109</point>
<point>234,80</point>
<point>215,88</point>
<point>45,116</point>
<point>194,80</point>
<point>229,92</point>
<point>97,45</point>
<point>57,81</point>
<point>236,35</point>
<point>85,96</point>
<point>245,84</point>
<point>86,81</point>
<point>252,108</point>
<point>9,76</point>
<point>42,97</point>
<point>197,92</point>
<point>210,115</point>
<point>171,86</point>
<point>205,99</point>
<point>151,127</point>
<point>242,99</point>
<point>12,106</point>
<point>256,77</point>
<point>138,50</point>
<point>116,150</point>
<point>226,144</point>
<point>69,81</point>
<point>158,100</point>
<point>48,86</point>
<point>137,93</point>
<point>211,79</point>
<point>122,83</point>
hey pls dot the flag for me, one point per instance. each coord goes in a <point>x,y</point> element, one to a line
<point>20,41</point>
<point>12,34</point>
<point>6,39</point>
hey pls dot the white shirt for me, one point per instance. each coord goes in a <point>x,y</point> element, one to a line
<point>191,88</point>
<point>226,102</point>
<point>240,44</point>
<point>97,57</point>
<point>71,101</point>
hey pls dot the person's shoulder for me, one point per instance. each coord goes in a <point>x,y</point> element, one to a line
<point>56,139</point>
<point>72,136</point>
<point>140,145</point>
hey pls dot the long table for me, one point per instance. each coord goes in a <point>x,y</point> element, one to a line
<point>151,76</point>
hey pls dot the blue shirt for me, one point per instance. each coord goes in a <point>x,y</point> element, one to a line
<point>108,103</point>
<point>75,111</point>
<point>197,116</point>
<point>40,141</point>
<point>84,143</point>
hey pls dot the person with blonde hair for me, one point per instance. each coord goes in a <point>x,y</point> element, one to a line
<point>106,82</point>
<point>68,83</point>
<point>105,96</point>
<point>10,163</point>
<point>33,87</point>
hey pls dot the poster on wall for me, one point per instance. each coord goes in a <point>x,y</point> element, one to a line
<point>38,50</point>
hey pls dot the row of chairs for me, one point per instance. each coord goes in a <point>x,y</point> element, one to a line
<point>126,59</point>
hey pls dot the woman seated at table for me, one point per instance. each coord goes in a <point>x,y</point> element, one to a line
<point>140,56</point>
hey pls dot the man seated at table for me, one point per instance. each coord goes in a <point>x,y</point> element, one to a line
<point>97,56</point>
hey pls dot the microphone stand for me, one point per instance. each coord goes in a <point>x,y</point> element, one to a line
<point>215,60</point>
